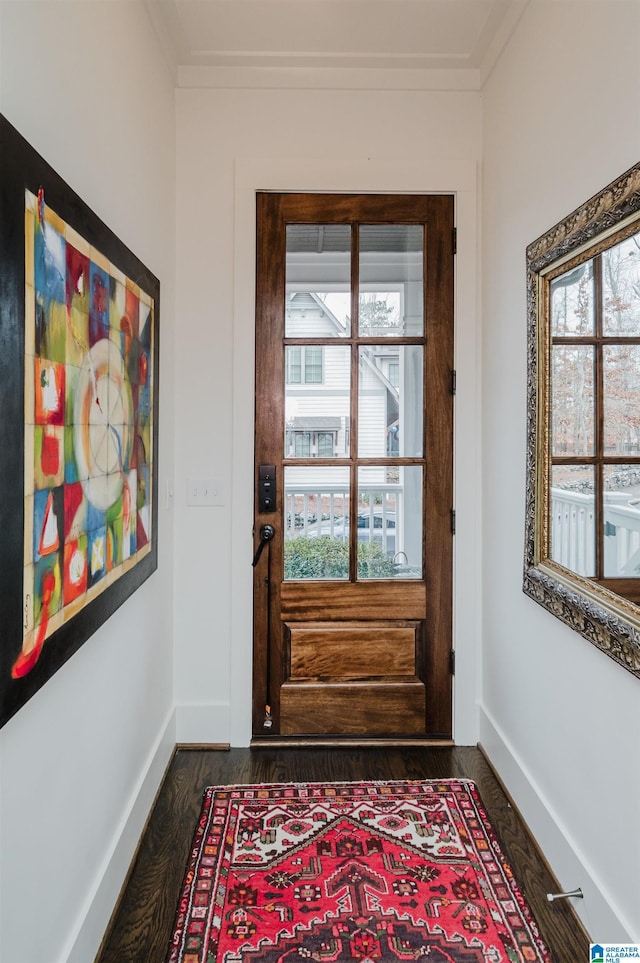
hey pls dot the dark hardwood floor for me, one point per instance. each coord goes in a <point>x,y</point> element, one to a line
<point>142,922</point>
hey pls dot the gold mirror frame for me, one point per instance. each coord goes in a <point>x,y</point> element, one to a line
<point>608,621</point>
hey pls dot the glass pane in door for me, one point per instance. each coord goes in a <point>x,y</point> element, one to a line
<point>316,520</point>
<point>318,281</point>
<point>390,405</point>
<point>317,401</point>
<point>390,297</point>
<point>389,520</point>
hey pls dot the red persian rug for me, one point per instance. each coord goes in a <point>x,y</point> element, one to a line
<point>350,871</point>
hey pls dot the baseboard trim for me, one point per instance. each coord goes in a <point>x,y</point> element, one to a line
<point>98,910</point>
<point>203,747</point>
<point>556,883</point>
<point>595,912</point>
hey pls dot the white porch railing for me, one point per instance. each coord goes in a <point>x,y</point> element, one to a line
<point>312,512</point>
<point>622,531</point>
<point>573,533</point>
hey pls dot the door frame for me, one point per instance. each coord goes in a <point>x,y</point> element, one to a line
<point>456,177</point>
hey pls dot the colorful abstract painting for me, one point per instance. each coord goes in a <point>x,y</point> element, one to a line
<point>88,425</point>
<point>86,376</point>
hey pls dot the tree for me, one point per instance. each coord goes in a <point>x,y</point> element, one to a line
<point>572,365</point>
<point>375,313</point>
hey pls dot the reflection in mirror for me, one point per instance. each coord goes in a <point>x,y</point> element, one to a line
<point>572,518</point>
<point>621,497</point>
<point>572,413</point>
<point>621,281</point>
<point>582,548</point>
<point>572,302</point>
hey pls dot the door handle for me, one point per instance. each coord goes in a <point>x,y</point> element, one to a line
<point>266,534</point>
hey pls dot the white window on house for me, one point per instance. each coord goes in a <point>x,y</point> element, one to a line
<point>313,437</point>
<point>302,444</point>
<point>326,443</point>
<point>304,364</point>
<point>294,365</point>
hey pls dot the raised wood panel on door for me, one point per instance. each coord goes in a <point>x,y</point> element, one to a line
<point>377,709</point>
<point>350,650</point>
<point>341,676</point>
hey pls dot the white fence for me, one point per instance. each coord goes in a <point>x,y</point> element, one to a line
<point>573,533</point>
<point>311,512</point>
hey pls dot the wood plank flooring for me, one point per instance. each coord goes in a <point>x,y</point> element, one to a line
<point>142,922</point>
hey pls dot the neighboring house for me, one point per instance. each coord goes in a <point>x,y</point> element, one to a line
<point>317,413</point>
<point>317,387</point>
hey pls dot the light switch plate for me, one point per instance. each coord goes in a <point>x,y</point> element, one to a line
<point>203,492</point>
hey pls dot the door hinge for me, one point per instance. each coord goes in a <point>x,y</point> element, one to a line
<point>452,661</point>
<point>454,381</point>
<point>453,521</point>
<point>454,240</point>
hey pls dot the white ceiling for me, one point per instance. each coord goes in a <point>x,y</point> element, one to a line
<point>454,42</point>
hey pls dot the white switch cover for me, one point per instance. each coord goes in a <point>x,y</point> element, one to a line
<point>205,491</point>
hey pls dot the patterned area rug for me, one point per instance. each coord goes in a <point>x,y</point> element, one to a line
<point>350,871</point>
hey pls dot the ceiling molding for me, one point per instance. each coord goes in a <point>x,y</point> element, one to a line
<point>411,45</point>
<point>309,78</point>
<point>501,37</point>
<point>164,37</point>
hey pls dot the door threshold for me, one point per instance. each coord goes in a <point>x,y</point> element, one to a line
<point>344,742</point>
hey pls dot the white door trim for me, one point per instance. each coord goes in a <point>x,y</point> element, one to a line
<point>361,175</point>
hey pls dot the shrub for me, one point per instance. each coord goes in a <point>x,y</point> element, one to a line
<point>328,558</point>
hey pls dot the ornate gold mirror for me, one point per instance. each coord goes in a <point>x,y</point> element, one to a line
<point>582,541</point>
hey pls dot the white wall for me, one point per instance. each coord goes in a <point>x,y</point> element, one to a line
<point>560,720</point>
<point>79,764</point>
<point>230,144</point>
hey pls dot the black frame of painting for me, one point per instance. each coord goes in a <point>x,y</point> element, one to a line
<point>22,169</point>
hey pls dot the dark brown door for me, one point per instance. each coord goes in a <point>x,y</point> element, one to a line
<point>354,466</point>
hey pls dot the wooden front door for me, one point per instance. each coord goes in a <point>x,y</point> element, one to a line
<point>354,467</point>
